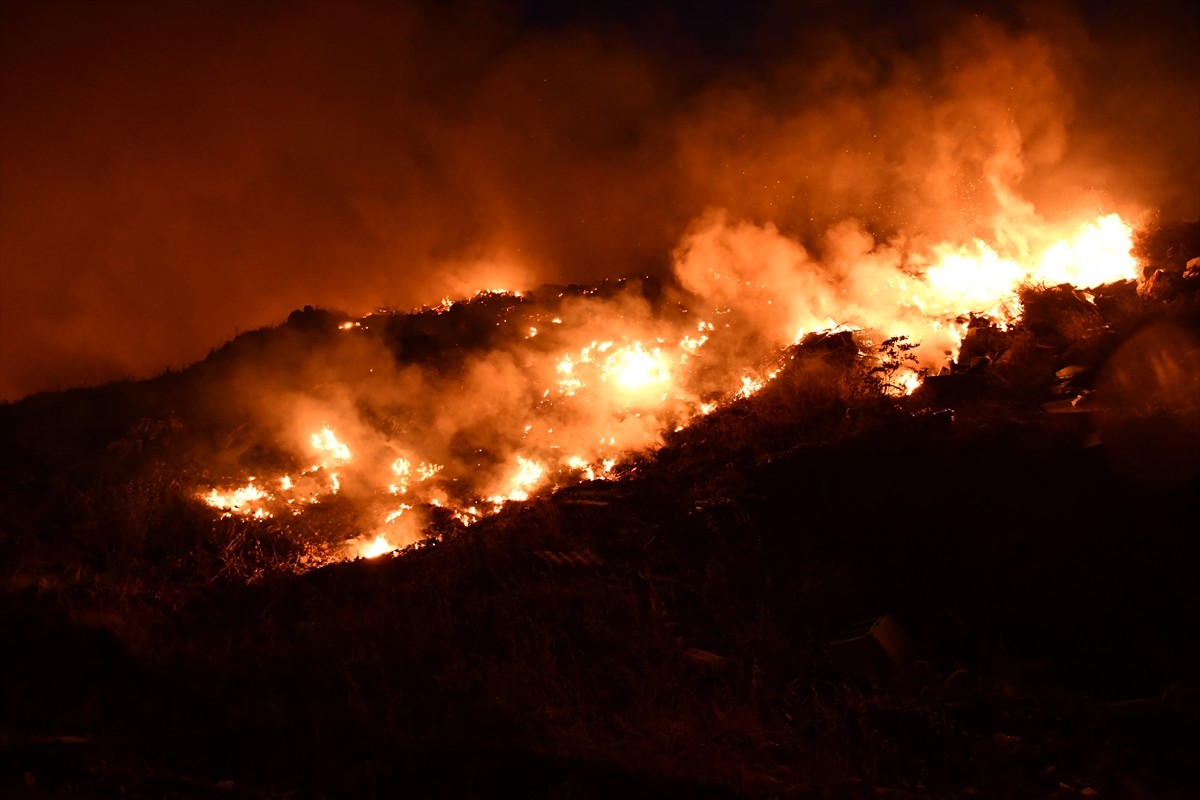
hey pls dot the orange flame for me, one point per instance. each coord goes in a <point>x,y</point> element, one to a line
<point>598,399</point>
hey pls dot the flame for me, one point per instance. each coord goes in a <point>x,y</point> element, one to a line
<point>245,500</point>
<point>974,278</point>
<point>395,515</point>
<point>528,476</point>
<point>634,368</point>
<point>374,548</point>
<point>326,441</point>
<point>978,279</point>
<point>1100,252</point>
<point>749,386</point>
<point>595,379</point>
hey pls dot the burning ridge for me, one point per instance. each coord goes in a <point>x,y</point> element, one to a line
<point>431,420</point>
<point>344,436</point>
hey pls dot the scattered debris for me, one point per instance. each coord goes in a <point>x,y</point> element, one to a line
<point>1160,286</point>
<point>961,383</point>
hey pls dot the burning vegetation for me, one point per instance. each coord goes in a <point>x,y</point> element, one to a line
<point>573,382</point>
<point>874,477</point>
<point>664,518</point>
<point>664,553</point>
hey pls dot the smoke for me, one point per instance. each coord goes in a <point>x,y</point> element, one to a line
<point>515,394</point>
<point>173,173</point>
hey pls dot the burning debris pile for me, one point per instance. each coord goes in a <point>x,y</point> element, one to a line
<point>432,420</point>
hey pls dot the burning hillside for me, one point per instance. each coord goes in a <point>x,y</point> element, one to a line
<point>526,391</point>
<point>680,610</point>
<point>834,433</point>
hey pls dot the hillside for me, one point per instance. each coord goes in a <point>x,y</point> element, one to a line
<point>821,589</point>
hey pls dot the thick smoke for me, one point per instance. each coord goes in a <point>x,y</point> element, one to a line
<point>172,173</point>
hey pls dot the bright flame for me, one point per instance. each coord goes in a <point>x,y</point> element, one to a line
<point>375,547</point>
<point>604,378</point>
<point>325,441</point>
<point>241,500</point>
<point>527,477</point>
<point>634,368</point>
<point>978,279</point>
<point>1099,253</point>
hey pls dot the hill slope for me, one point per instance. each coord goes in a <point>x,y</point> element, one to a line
<point>817,590</point>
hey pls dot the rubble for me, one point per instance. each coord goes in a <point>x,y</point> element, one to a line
<point>1160,286</point>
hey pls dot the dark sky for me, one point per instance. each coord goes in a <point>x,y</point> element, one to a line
<point>173,172</point>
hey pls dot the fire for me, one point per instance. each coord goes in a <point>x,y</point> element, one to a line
<point>395,515</point>
<point>588,471</point>
<point>1099,253</point>
<point>750,386</point>
<point>401,467</point>
<point>374,548</point>
<point>975,278</point>
<point>252,501</point>
<point>246,500</point>
<point>402,472</point>
<point>528,476</point>
<point>325,441</point>
<point>573,389</point>
<point>634,368</point>
<point>978,279</point>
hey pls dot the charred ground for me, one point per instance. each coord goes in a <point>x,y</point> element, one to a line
<point>1021,533</point>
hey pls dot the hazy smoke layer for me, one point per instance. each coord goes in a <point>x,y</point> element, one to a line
<point>171,173</point>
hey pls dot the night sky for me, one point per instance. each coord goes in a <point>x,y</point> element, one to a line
<point>174,172</point>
